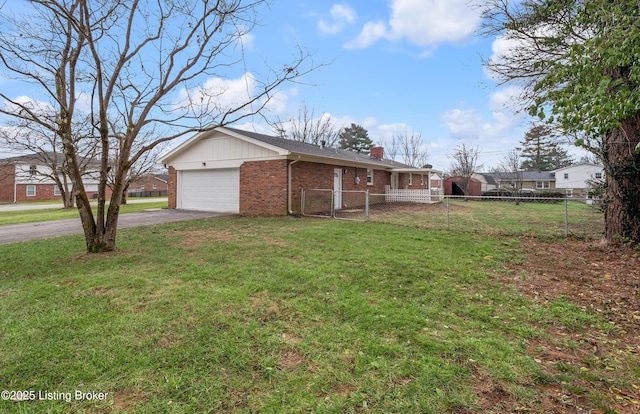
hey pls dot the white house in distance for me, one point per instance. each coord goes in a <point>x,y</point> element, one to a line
<point>574,178</point>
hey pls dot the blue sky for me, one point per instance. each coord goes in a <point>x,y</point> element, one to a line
<point>397,65</point>
<point>391,66</point>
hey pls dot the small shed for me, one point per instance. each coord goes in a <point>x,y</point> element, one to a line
<point>454,186</point>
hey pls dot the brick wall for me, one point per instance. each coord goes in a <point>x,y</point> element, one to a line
<point>148,181</point>
<point>172,187</point>
<point>310,175</point>
<point>44,192</point>
<point>416,181</point>
<point>7,179</point>
<point>263,188</point>
<point>264,184</point>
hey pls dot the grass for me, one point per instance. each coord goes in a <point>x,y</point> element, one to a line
<point>269,315</point>
<point>31,216</point>
<point>498,217</point>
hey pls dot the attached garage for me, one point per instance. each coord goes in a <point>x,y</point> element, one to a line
<point>209,190</point>
<point>233,171</point>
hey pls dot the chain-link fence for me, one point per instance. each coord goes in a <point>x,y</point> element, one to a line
<point>534,216</point>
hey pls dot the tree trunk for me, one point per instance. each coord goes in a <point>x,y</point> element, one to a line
<point>622,168</point>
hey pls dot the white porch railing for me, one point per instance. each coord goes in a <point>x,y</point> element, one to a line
<point>434,195</point>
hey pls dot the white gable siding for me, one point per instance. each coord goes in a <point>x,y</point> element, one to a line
<point>220,148</point>
<point>576,176</point>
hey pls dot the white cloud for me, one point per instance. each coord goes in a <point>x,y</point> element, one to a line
<point>431,22</point>
<point>341,16</point>
<point>494,133</point>
<point>463,123</point>
<point>221,94</point>
<point>424,23</point>
<point>371,33</point>
<point>247,41</point>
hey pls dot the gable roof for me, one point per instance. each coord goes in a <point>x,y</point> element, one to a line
<point>521,175</point>
<point>579,165</point>
<point>288,148</point>
<point>35,158</point>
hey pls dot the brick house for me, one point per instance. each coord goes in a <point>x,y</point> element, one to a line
<point>236,171</point>
<point>27,178</point>
<point>149,185</point>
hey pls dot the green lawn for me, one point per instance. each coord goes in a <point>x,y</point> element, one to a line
<point>31,216</point>
<point>271,315</point>
<point>498,217</point>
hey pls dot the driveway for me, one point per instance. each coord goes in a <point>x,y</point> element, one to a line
<point>29,231</point>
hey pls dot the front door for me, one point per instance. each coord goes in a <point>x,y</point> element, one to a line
<point>394,181</point>
<point>337,188</point>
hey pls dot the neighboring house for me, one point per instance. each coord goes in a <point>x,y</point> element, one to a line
<point>149,185</point>
<point>24,178</point>
<point>526,180</point>
<point>572,180</point>
<point>487,181</point>
<point>236,171</point>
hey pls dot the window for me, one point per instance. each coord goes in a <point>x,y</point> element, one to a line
<point>598,176</point>
<point>369,176</point>
<point>31,191</point>
<point>154,186</point>
<point>33,170</point>
<point>569,192</point>
<point>56,190</point>
<point>566,176</point>
<point>542,184</point>
<point>421,179</point>
<point>410,179</point>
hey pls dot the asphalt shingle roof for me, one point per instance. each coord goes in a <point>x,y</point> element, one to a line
<point>304,148</point>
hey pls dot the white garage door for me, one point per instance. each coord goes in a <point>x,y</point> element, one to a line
<point>210,190</point>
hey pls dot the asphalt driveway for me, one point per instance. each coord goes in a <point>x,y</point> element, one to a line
<point>29,231</point>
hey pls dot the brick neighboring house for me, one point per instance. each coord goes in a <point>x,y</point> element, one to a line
<point>25,178</point>
<point>236,171</point>
<point>149,185</point>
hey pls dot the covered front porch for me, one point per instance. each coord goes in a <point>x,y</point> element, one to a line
<point>415,185</point>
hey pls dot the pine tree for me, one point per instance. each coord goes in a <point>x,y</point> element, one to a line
<point>355,138</point>
<point>541,150</point>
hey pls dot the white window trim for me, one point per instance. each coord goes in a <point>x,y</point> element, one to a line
<point>370,176</point>
<point>410,179</point>
<point>34,190</point>
<point>56,190</point>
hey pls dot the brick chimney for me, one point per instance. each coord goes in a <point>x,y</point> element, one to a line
<point>376,152</point>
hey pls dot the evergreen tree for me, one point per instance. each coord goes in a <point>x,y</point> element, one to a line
<point>355,138</point>
<point>541,150</point>
<point>578,64</point>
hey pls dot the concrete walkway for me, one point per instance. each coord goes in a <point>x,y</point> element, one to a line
<point>30,231</point>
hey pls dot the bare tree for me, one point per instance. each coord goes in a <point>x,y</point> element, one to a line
<point>134,66</point>
<point>44,148</point>
<point>509,169</point>
<point>465,163</point>
<point>412,148</point>
<point>145,165</point>
<point>577,63</point>
<point>308,127</point>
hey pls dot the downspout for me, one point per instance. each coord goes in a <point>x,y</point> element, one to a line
<point>289,189</point>
<point>15,185</point>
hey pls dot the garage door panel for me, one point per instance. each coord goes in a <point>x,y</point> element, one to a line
<point>210,190</point>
